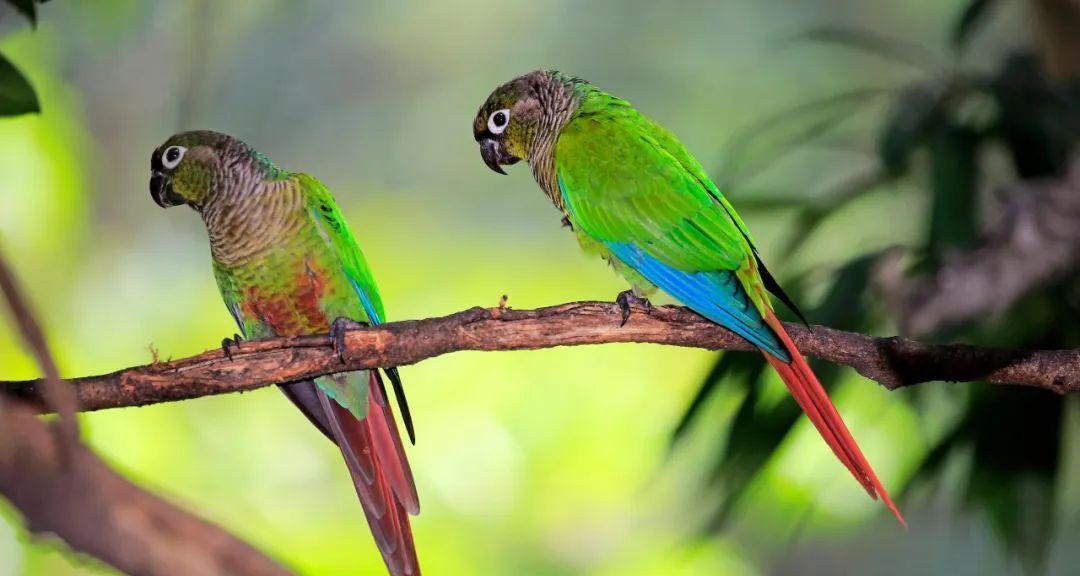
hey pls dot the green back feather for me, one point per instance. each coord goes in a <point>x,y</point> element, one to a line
<point>626,179</point>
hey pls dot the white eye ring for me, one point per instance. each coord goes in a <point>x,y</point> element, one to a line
<point>172,156</point>
<point>498,121</point>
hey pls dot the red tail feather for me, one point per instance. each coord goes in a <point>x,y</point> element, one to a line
<point>813,400</point>
<point>381,474</point>
<point>388,447</point>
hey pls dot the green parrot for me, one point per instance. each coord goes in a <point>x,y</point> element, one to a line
<point>287,264</point>
<point>637,198</point>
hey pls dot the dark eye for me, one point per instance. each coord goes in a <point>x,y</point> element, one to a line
<point>172,156</point>
<point>498,120</point>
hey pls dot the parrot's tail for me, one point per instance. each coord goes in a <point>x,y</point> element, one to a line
<point>813,400</point>
<point>381,474</point>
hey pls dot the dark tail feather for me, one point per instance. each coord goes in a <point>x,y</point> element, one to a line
<point>402,402</point>
<point>380,473</point>
<point>811,397</point>
<point>306,398</point>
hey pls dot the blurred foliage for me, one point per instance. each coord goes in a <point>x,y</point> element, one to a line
<point>16,95</point>
<point>941,132</point>
<point>758,427</point>
<point>969,22</point>
<point>27,8</point>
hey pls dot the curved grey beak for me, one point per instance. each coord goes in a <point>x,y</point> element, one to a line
<point>489,151</point>
<point>162,192</point>
<point>494,156</point>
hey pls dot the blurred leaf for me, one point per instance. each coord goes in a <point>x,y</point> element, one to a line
<point>758,146</point>
<point>16,95</point>
<point>756,430</point>
<point>841,307</point>
<point>906,129</point>
<point>1015,435</point>
<point>738,367</point>
<point>933,463</point>
<point>954,186</point>
<point>755,433</point>
<point>1039,120</point>
<point>812,216</point>
<point>896,50</point>
<point>970,19</point>
<point>27,8</point>
<point>1014,475</point>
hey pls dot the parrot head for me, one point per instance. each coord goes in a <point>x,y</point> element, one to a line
<point>189,167</point>
<point>518,114</point>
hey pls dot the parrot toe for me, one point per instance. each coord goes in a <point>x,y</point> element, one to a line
<point>337,334</point>
<point>227,343</point>
<point>627,300</point>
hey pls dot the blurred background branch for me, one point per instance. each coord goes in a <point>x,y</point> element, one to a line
<point>55,394</point>
<point>1035,241</point>
<point>893,362</point>
<point>61,488</point>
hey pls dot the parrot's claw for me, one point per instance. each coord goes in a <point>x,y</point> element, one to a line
<point>627,300</point>
<point>227,343</point>
<point>337,334</point>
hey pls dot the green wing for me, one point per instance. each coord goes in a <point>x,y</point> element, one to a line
<point>348,389</point>
<point>625,179</point>
<point>340,240</point>
<point>327,217</point>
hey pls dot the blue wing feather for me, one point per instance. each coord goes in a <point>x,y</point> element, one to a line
<point>365,301</point>
<point>716,295</point>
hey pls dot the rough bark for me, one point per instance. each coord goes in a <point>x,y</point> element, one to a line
<point>893,362</point>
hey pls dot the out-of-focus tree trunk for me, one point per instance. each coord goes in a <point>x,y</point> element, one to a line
<point>1056,25</point>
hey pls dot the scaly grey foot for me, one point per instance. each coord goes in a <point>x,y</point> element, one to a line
<point>627,300</point>
<point>337,334</point>
<point>226,343</point>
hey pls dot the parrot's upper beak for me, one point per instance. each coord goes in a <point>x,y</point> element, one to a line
<point>161,190</point>
<point>494,155</point>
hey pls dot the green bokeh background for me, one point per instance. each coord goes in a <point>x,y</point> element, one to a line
<point>547,462</point>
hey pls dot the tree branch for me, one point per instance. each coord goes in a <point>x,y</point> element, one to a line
<point>893,362</point>
<point>64,489</point>
<point>59,397</point>
<point>1036,241</point>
